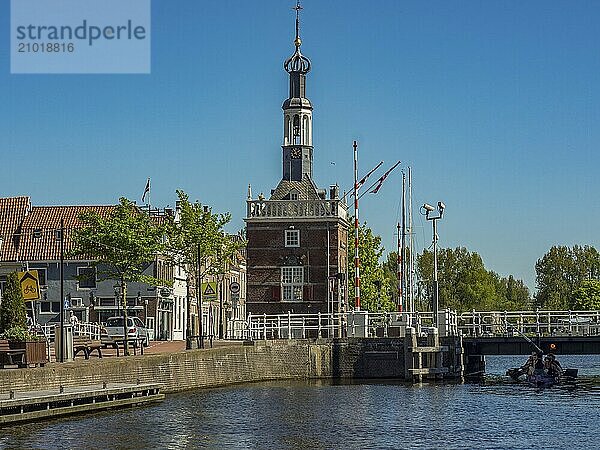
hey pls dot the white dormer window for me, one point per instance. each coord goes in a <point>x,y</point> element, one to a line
<point>294,195</point>
<point>292,238</point>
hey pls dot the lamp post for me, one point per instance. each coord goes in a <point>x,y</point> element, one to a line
<point>440,213</point>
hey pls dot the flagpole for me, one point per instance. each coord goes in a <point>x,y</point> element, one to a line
<point>356,257</point>
<point>411,266</point>
<point>403,248</point>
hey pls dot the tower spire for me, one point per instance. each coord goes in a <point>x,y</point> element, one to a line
<point>297,112</point>
<point>298,8</point>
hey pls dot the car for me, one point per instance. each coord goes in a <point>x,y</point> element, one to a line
<point>113,331</point>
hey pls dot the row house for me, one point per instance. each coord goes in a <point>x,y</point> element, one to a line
<point>29,237</point>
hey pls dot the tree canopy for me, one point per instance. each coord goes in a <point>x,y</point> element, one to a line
<point>561,272</point>
<point>465,283</point>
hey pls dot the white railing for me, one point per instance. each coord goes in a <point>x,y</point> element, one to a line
<point>351,324</point>
<point>79,329</point>
<point>536,323</point>
<point>273,209</point>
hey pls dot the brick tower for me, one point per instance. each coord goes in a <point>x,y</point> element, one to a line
<point>297,239</point>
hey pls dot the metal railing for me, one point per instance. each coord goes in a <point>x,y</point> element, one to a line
<point>533,323</point>
<point>351,324</point>
<point>92,330</point>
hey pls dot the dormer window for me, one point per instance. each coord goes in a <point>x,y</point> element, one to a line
<point>294,195</point>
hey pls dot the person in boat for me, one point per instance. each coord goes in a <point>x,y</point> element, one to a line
<point>527,368</point>
<point>552,366</point>
<point>538,367</point>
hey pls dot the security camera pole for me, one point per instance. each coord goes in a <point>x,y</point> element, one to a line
<point>428,209</point>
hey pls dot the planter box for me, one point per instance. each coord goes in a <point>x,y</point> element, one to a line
<point>35,351</point>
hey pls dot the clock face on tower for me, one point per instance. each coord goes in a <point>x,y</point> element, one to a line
<point>296,153</point>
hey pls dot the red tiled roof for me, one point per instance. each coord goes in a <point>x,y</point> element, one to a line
<point>39,230</point>
<point>12,212</point>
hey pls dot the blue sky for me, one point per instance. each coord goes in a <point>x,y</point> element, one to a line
<point>495,105</point>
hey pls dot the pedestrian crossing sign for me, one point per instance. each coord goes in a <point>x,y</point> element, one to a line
<point>209,291</point>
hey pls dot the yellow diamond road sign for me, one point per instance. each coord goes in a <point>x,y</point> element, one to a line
<point>30,285</point>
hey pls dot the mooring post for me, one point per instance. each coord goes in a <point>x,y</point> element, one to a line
<point>11,394</point>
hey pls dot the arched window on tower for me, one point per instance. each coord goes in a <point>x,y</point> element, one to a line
<point>305,130</point>
<point>296,129</point>
<point>287,130</point>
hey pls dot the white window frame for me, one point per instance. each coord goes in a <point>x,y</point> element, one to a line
<point>294,195</point>
<point>292,238</point>
<point>292,283</point>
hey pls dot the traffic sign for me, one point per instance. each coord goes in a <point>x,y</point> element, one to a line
<point>234,287</point>
<point>30,285</point>
<point>209,291</point>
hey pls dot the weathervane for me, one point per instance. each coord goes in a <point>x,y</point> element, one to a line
<point>297,8</point>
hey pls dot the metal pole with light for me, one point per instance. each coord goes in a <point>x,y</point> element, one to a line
<point>62,291</point>
<point>428,210</point>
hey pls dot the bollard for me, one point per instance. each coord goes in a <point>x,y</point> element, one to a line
<point>138,381</point>
<point>61,389</point>
<point>104,385</point>
<point>11,394</point>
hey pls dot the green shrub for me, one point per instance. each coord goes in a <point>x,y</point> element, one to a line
<point>12,308</point>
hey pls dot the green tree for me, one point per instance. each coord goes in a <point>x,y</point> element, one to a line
<point>12,306</point>
<point>122,246</point>
<point>198,241</point>
<point>465,283</point>
<point>561,271</point>
<point>587,296</point>
<point>375,294</point>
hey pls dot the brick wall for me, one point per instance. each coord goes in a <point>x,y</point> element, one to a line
<point>265,360</point>
<point>267,253</point>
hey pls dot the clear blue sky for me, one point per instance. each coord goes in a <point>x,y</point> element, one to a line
<point>495,105</point>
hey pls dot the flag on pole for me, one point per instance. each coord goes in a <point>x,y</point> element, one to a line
<point>382,179</point>
<point>146,190</point>
<point>364,179</point>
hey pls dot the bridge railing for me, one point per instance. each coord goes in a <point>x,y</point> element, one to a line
<point>350,324</point>
<point>91,330</point>
<point>533,323</point>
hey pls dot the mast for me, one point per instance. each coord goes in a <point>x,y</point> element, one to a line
<point>403,243</point>
<point>411,256</point>
<point>356,257</point>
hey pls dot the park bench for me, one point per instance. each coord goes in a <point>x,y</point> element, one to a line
<point>9,355</point>
<point>87,346</point>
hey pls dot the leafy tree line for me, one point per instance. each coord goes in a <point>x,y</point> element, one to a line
<point>464,282</point>
<point>568,278</point>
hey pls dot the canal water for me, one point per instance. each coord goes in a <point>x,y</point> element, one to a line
<point>497,414</point>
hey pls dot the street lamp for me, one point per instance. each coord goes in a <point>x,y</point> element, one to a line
<point>428,210</point>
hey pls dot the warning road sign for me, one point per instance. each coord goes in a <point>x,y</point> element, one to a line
<point>30,285</point>
<point>209,291</point>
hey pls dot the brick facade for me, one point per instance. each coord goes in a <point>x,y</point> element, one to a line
<point>267,254</point>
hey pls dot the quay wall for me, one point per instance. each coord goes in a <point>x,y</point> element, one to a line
<point>260,361</point>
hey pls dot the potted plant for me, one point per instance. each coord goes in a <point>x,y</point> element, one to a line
<point>13,324</point>
<point>34,346</point>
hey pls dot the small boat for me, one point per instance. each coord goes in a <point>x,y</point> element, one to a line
<point>542,378</point>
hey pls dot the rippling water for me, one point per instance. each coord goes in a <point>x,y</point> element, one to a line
<point>317,414</point>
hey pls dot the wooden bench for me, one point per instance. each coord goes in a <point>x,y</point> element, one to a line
<point>87,346</point>
<point>10,354</point>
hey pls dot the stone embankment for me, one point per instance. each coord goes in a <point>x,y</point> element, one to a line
<point>257,361</point>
